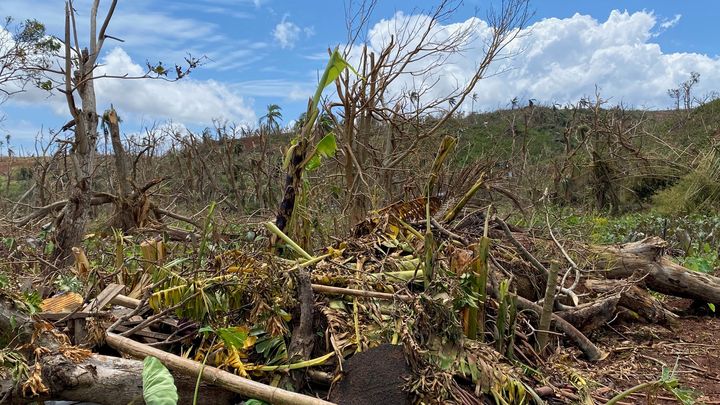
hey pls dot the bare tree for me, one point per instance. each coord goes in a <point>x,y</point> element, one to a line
<point>74,76</point>
<point>675,96</point>
<point>686,87</point>
<point>684,92</point>
<point>415,52</point>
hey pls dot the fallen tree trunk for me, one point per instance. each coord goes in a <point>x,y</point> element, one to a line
<point>645,260</point>
<point>620,297</point>
<point>213,375</point>
<point>592,315</point>
<point>104,380</point>
<point>72,374</point>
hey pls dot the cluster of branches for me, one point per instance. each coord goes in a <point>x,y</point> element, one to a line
<point>25,51</point>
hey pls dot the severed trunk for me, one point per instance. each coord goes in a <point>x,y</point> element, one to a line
<point>132,207</point>
<point>90,377</point>
<point>105,380</point>
<point>645,261</point>
<point>72,222</point>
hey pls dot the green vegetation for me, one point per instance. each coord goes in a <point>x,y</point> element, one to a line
<point>158,383</point>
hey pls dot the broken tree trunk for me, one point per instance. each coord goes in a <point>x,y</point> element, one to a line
<point>303,338</point>
<point>132,204</point>
<point>224,379</point>
<point>123,217</point>
<point>645,260</point>
<point>71,226</point>
<point>73,374</point>
<point>104,380</point>
<point>621,298</point>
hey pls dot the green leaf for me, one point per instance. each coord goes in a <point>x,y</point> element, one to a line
<point>711,306</point>
<point>335,66</point>
<point>158,383</point>
<point>233,337</point>
<point>325,148</point>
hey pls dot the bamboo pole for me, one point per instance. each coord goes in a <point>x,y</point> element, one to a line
<point>212,375</point>
<point>326,289</point>
<point>291,243</point>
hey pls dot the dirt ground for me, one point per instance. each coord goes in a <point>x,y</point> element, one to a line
<point>638,353</point>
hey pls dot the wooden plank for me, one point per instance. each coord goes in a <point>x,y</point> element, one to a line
<point>132,303</point>
<point>125,301</point>
<point>96,304</point>
<point>105,297</point>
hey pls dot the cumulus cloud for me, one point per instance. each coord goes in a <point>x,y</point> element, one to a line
<point>561,60</point>
<point>286,33</point>
<point>189,101</point>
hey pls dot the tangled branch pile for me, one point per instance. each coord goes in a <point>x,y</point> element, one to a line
<point>471,301</point>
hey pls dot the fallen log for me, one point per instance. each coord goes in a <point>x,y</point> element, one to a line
<point>103,380</point>
<point>215,376</point>
<point>592,315</point>
<point>619,297</point>
<point>592,352</point>
<point>72,374</point>
<point>645,260</point>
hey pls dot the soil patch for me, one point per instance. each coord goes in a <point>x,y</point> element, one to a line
<point>375,376</point>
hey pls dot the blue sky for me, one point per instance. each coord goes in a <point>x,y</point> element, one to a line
<point>270,51</point>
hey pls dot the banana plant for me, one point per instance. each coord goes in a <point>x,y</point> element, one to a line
<point>301,157</point>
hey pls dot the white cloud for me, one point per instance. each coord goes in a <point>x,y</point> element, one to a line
<point>561,60</point>
<point>671,23</point>
<point>167,33</point>
<point>286,33</point>
<point>188,101</point>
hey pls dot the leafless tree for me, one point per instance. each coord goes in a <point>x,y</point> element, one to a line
<point>74,74</point>
<point>372,101</point>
